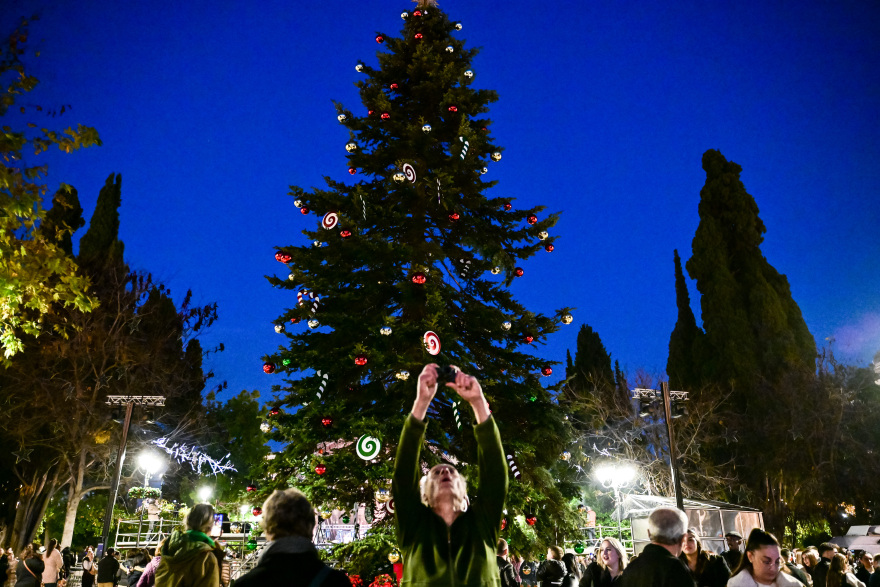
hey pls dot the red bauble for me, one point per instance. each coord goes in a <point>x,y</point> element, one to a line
<point>453,108</point>
<point>549,248</point>
<point>320,469</point>
<point>360,360</point>
<point>485,129</point>
<point>419,36</point>
<point>519,271</point>
<point>417,13</point>
<point>380,39</point>
<point>326,422</point>
<point>385,116</point>
<point>295,320</point>
<point>419,278</point>
<point>531,519</point>
<point>352,170</point>
<point>282,257</point>
<point>251,488</point>
<point>528,338</point>
<point>274,412</point>
<point>454,217</point>
<point>503,523</point>
<point>393,86</point>
<point>532,219</point>
<point>370,112</point>
<point>345,233</point>
<point>508,206</point>
<point>268,368</point>
<point>303,210</point>
<point>546,371</point>
<point>257,511</point>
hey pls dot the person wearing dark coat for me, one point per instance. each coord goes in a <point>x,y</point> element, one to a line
<point>707,568</point>
<point>796,572</point>
<point>820,571</point>
<point>733,555</point>
<point>607,570</point>
<point>289,558</point>
<point>572,571</point>
<point>30,567</point>
<point>528,573</point>
<point>108,566</point>
<point>552,571</point>
<point>505,568</point>
<point>658,565</point>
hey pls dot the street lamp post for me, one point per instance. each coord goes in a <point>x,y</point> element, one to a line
<point>129,401</point>
<point>150,463</point>
<point>615,476</point>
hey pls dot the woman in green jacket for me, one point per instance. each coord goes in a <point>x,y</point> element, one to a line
<point>444,541</point>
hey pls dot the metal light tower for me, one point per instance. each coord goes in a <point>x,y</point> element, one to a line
<point>129,401</point>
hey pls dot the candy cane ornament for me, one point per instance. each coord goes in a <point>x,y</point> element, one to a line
<point>514,469</point>
<point>409,171</point>
<point>465,148</point>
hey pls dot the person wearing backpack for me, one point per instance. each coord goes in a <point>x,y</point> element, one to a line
<point>289,558</point>
<point>90,569</point>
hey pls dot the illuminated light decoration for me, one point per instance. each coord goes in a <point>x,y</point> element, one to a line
<point>549,248</point>
<point>394,556</point>
<point>567,319</point>
<point>285,362</point>
<point>450,49</point>
<point>370,112</point>
<point>546,371</point>
<point>531,519</point>
<point>380,39</point>
<point>279,328</point>
<point>458,26</point>
<point>320,469</point>
<point>426,128</point>
<point>257,512</point>
<point>484,171</point>
<point>195,458</point>
<point>453,109</point>
<point>382,495</point>
<point>360,360</point>
<point>402,375</point>
<point>299,203</point>
<point>385,116</point>
<point>326,422</point>
<point>469,74</point>
<point>518,271</point>
<point>419,278</point>
<point>532,219</point>
<point>533,398</point>
<point>265,427</point>
<point>352,170</point>
<point>496,270</point>
<point>282,257</point>
<point>268,368</point>
<point>565,455</point>
<point>345,233</point>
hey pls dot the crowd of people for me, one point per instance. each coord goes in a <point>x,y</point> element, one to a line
<point>446,541</point>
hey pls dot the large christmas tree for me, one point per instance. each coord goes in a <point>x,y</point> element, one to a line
<point>412,264</point>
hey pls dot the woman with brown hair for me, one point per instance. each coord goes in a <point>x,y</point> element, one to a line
<point>840,575</point>
<point>762,564</point>
<point>29,571</point>
<point>707,568</point>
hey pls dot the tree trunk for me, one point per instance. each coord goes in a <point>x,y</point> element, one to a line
<point>74,496</point>
<point>33,499</point>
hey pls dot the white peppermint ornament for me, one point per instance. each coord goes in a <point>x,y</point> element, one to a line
<point>469,74</point>
<point>350,147</point>
<point>426,128</point>
<point>313,323</point>
<point>341,118</point>
<point>496,156</point>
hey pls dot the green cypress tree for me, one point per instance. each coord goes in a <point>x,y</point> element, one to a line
<point>753,327</point>
<point>592,363</point>
<point>100,248</point>
<point>414,244</point>
<point>683,364</point>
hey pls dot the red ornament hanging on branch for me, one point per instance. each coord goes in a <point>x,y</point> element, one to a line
<point>528,338</point>
<point>419,278</point>
<point>519,271</point>
<point>352,170</point>
<point>303,210</point>
<point>326,422</point>
<point>532,219</point>
<point>454,217</point>
<point>257,511</point>
<point>360,360</point>
<point>531,519</point>
<point>380,39</point>
<point>503,523</point>
<point>345,233</point>
<point>549,248</point>
<point>320,469</point>
<point>393,86</point>
<point>282,257</point>
<point>268,368</point>
<point>419,36</point>
<point>546,371</point>
<point>274,412</point>
<point>453,108</point>
<point>251,488</point>
<point>507,206</point>
<point>385,116</point>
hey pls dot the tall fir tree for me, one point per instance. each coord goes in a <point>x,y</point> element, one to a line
<point>683,365</point>
<point>411,259</point>
<point>753,326</point>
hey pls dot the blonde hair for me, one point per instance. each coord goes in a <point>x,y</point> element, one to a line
<point>427,489</point>
<point>621,553</point>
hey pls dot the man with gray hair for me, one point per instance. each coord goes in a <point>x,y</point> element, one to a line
<point>290,558</point>
<point>658,565</point>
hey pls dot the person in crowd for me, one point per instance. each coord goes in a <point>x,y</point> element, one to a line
<point>506,571</point>
<point>866,567</point>
<point>443,540</point>
<point>30,567</point>
<point>139,561</point>
<point>148,577</point>
<point>53,564</point>
<point>528,573</point>
<point>192,558</point>
<point>707,568</point>
<point>4,567</point>
<point>875,578</point>
<point>810,560</point>
<point>90,569</point>
<point>69,560</point>
<point>733,555</point>
<point>819,572</point>
<point>658,565</point>
<point>607,570</point>
<point>288,525</point>
<point>840,574</point>
<point>591,525</point>
<point>794,570</point>
<point>516,561</point>
<point>551,571</point>
<point>572,570</point>
<point>108,566</point>
<point>762,564</point>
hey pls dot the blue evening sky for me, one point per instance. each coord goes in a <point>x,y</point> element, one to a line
<point>210,110</point>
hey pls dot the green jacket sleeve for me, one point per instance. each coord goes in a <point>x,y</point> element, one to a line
<point>493,480</point>
<point>405,485</point>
